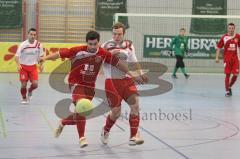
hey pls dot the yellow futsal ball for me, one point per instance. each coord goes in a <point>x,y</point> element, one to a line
<point>84,107</point>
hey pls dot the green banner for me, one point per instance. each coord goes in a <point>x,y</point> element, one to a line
<point>209,26</point>
<point>105,10</point>
<point>199,47</point>
<point>10,14</point>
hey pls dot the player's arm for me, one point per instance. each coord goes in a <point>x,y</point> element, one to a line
<point>49,57</point>
<point>186,46</point>
<point>173,42</point>
<point>41,66</point>
<point>17,55</point>
<point>17,62</point>
<point>41,54</point>
<point>217,55</point>
<point>115,61</point>
<point>135,64</point>
<point>139,71</point>
<point>218,48</point>
<point>63,53</point>
<point>141,79</point>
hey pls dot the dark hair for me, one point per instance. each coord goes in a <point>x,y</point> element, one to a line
<point>119,25</point>
<point>183,29</point>
<point>31,29</point>
<point>231,24</point>
<point>92,35</point>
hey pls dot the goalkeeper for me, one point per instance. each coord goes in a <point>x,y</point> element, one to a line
<point>179,46</point>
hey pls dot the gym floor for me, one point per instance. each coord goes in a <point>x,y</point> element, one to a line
<point>194,120</point>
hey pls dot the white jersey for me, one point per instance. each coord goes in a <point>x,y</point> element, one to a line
<point>29,53</point>
<point>126,53</point>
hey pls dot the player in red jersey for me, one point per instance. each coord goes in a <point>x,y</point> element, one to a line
<point>231,43</point>
<point>119,86</point>
<point>27,57</point>
<point>86,62</point>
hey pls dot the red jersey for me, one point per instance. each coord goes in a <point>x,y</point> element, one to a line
<point>230,44</point>
<point>85,66</point>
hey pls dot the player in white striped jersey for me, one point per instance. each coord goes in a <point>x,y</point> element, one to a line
<point>27,57</point>
<point>119,86</point>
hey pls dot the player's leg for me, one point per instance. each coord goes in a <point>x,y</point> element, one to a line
<point>130,95</point>
<point>176,67</point>
<point>70,120</point>
<point>113,115</point>
<point>33,75</point>
<point>34,85</point>
<point>23,79</point>
<point>182,67</point>
<point>227,71</point>
<point>134,120</point>
<point>110,121</point>
<point>235,72</point>
<point>24,92</point>
<point>74,119</point>
<point>233,79</point>
<point>81,124</point>
<point>80,92</point>
<point>114,101</point>
<point>227,85</point>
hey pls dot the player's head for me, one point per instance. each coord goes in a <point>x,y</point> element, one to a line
<point>182,32</point>
<point>92,40</point>
<point>32,33</point>
<point>118,31</point>
<point>231,28</point>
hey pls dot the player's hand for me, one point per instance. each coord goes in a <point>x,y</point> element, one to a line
<point>41,68</point>
<point>115,52</point>
<point>170,52</point>
<point>217,60</point>
<point>41,59</point>
<point>144,78</point>
<point>138,80</point>
<point>19,67</point>
<point>187,52</point>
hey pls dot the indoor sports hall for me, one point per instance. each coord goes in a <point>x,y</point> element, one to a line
<point>181,117</point>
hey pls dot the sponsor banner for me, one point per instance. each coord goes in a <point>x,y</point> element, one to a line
<point>9,49</point>
<point>199,47</point>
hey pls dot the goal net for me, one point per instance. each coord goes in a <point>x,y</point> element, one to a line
<point>152,34</point>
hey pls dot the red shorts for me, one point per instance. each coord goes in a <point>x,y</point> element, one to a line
<point>119,89</point>
<point>28,73</point>
<point>80,91</point>
<point>231,66</point>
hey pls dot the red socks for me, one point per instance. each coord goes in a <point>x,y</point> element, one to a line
<point>134,124</point>
<point>233,80</point>
<point>81,123</point>
<point>109,124</point>
<point>76,119</point>
<point>24,92</point>
<point>32,87</point>
<point>227,79</point>
<point>228,83</point>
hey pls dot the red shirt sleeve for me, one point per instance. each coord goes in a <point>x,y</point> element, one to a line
<point>111,59</point>
<point>238,36</point>
<point>220,43</point>
<point>69,53</point>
